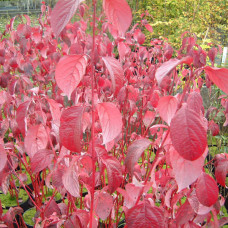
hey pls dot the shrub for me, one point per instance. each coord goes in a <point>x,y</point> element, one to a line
<point>122,137</point>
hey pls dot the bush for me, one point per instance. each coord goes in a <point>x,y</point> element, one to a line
<point>122,137</point>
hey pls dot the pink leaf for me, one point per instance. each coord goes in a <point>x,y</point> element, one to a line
<point>167,107</point>
<point>55,110</point>
<point>3,97</point>
<point>149,28</point>
<point>134,152</point>
<point>35,140</point>
<point>41,160</point>
<point>70,130</point>
<point>148,118</point>
<point>123,50</point>
<point>146,216</point>
<point>62,13</point>
<point>21,116</point>
<point>51,207</point>
<point>114,172</point>
<point>111,121</point>
<point>221,168</point>
<point>103,204</point>
<point>3,157</point>
<point>57,175</point>
<point>119,14</point>
<point>185,171</point>
<point>116,73</point>
<point>195,102</point>
<point>206,190</point>
<point>213,127</point>
<point>130,194</point>
<point>170,65</point>
<point>219,76</point>
<point>69,72</point>
<point>184,214</point>
<point>198,208</point>
<point>70,180</point>
<point>139,36</point>
<point>188,134</point>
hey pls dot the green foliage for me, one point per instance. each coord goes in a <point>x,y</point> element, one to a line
<point>10,200</point>
<point>29,216</point>
<point>170,18</point>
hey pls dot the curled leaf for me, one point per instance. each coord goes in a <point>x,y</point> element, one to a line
<point>134,152</point>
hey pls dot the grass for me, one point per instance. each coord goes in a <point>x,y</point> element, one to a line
<point>9,200</point>
<point>49,194</point>
<point>29,215</point>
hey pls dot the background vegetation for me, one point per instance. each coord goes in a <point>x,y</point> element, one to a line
<point>170,18</point>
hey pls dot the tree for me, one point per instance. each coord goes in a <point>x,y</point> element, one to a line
<point>170,18</point>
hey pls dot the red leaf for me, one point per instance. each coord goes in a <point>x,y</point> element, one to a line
<point>184,214</point>
<point>195,102</point>
<point>198,208</point>
<point>146,216</point>
<point>35,140</point>
<point>111,121</point>
<point>83,217</point>
<point>69,72</point>
<point>123,50</point>
<point>114,172</point>
<point>206,190</point>
<point>21,115</point>
<point>119,14</point>
<point>130,194</point>
<point>185,171</point>
<point>167,107</point>
<point>41,160</point>
<point>168,66</point>
<point>80,218</point>
<point>219,76</point>
<point>188,134</point>
<point>3,97</point>
<point>139,36</point>
<point>3,157</point>
<point>51,207</point>
<point>55,110</point>
<point>134,152</point>
<point>213,127</point>
<point>116,73</point>
<point>57,175</point>
<point>62,13</point>
<point>149,28</point>
<point>103,205</point>
<point>221,168</point>
<point>70,180</point>
<point>70,130</point>
<point>148,118</point>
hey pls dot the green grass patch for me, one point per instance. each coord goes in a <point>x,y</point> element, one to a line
<point>29,215</point>
<point>9,200</point>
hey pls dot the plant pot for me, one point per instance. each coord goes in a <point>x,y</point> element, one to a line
<point>121,224</point>
<point>11,201</point>
<point>29,217</point>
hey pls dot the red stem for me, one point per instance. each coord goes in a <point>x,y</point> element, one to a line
<point>93,119</point>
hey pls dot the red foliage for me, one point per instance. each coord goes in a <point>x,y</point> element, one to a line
<point>120,136</point>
